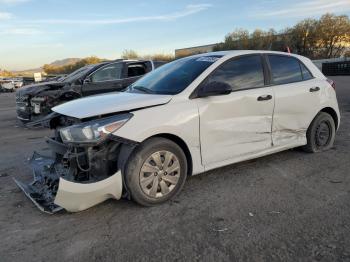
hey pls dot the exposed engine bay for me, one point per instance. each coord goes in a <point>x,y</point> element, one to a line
<point>78,165</point>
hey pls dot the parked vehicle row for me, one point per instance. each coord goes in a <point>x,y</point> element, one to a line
<point>187,117</point>
<point>35,101</point>
<point>10,84</point>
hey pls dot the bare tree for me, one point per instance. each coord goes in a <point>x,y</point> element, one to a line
<point>324,38</point>
<point>334,34</point>
<point>129,54</point>
<point>303,37</point>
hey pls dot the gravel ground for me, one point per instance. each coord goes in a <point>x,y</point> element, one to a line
<point>290,206</point>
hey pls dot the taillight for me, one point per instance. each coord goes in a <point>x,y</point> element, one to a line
<point>331,82</point>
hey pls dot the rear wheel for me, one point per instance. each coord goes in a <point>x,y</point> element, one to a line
<point>321,133</point>
<point>156,171</point>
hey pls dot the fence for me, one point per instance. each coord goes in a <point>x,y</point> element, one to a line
<point>336,68</point>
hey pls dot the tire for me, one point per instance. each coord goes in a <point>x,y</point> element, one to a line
<point>320,134</point>
<point>142,172</point>
<point>24,122</point>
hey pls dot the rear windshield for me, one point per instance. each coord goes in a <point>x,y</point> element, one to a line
<point>174,77</point>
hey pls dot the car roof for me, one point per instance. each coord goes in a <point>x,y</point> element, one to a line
<point>231,53</point>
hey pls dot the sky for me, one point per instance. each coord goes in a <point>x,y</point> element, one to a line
<point>35,32</point>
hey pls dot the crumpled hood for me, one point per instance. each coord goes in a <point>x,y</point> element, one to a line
<point>109,103</point>
<point>35,89</point>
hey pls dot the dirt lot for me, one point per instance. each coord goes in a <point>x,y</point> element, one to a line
<point>290,206</point>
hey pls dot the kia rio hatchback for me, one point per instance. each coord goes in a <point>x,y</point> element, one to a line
<point>187,117</point>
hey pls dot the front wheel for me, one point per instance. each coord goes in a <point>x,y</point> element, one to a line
<point>321,134</point>
<point>156,171</point>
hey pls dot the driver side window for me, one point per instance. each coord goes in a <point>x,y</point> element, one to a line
<point>240,73</point>
<point>108,73</point>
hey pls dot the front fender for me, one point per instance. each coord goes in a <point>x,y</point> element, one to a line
<point>179,119</point>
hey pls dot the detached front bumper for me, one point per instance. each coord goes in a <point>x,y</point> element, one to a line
<point>51,193</point>
<point>75,197</point>
<point>63,182</point>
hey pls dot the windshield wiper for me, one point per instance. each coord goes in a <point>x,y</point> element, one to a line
<point>143,89</point>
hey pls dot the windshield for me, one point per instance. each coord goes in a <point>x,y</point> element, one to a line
<point>77,73</point>
<point>174,77</point>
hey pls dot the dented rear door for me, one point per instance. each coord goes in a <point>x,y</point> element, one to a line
<point>295,108</point>
<point>297,100</point>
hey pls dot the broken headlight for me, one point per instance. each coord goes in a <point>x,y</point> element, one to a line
<point>93,131</point>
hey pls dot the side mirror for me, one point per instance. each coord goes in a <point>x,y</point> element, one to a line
<point>214,89</point>
<point>87,80</point>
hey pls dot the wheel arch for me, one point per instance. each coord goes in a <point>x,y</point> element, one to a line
<point>182,144</point>
<point>333,114</point>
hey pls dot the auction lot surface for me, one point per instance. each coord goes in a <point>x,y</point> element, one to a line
<point>290,206</point>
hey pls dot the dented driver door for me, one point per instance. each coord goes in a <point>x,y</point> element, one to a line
<point>235,126</point>
<point>238,125</point>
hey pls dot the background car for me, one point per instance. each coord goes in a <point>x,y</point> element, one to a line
<point>187,117</point>
<point>10,84</point>
<point>7,85</point>
<point>35,101</point>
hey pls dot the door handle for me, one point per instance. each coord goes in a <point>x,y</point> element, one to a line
<point>264,98</point>
<point>314,89</point>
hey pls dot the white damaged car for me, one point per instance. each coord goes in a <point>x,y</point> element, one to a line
<point>187,117</point>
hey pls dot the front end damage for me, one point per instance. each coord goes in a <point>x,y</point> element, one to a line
<point>34,102</point>
<point>77,177</point>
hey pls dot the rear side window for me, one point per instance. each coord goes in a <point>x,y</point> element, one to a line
<point>306,73</point>
<point>242,73</point>
<point>285,69</point>
<point>136,70</point>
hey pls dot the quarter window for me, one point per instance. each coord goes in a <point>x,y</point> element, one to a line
<point>285,69</point>
<point>108,73</point>
<point>306,73</point>
<point>241,73</point>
